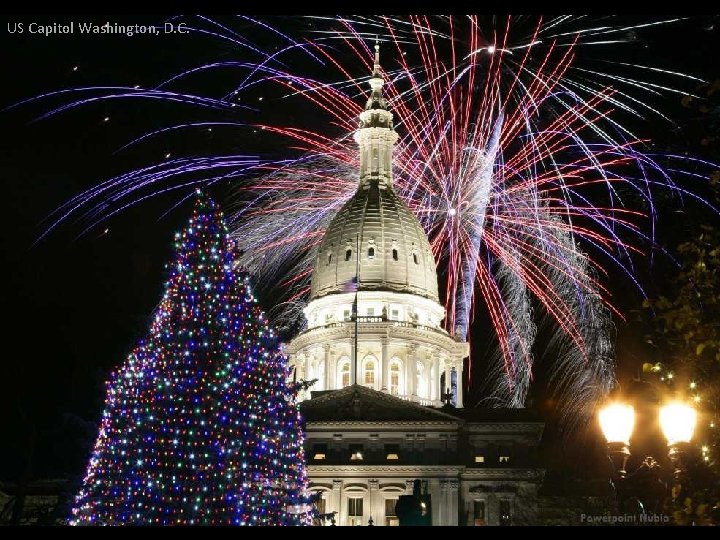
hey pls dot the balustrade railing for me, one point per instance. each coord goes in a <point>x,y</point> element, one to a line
<point>376,320</point>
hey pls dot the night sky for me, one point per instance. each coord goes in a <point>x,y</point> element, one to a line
<point>74,307</point>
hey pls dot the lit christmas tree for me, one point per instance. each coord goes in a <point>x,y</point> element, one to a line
<point>200,427</point>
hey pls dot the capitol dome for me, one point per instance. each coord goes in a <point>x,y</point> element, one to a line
<point>374,317</point>
<point>375,225</point>
<point>394,251</point>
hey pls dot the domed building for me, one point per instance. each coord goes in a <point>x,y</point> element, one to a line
<point>375,255</point>
<point>384,417</point>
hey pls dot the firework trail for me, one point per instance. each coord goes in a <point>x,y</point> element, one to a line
<point>581,389</point>
<point>508,385</point>
<point>477,209</point>
<point>511,154</point>
<point>291,226</point>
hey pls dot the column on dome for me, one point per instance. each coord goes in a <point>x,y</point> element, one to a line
<point>302,368</point>
<point>435,377</point>
<point>353,362</point>
<point>308,366</point>
<point>428,378</point>
<point>384,364</point>
<point>411,370</point>
<point>459,369</point>
<point>329,368</point>
<point>321,366</point>
<point>298,364</point>
<point>446,366</point>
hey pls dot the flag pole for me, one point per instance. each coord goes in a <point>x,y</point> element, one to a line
<point>357,314</point>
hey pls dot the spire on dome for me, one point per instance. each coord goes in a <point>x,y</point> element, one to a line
<point>376,135</point>
<point>376,68</point>
<point>376,99</point>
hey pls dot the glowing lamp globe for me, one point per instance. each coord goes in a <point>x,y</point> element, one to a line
<point>677,421</point>
<point>617,421</point>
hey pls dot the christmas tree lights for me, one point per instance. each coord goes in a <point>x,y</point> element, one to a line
<point>200,426</point>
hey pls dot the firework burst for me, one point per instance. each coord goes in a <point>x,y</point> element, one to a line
<point>511,159</point>
<point>512,155</point>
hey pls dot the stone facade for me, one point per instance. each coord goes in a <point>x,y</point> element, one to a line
<point>365,448</point>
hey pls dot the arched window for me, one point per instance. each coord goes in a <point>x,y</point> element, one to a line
<point>421,386</point>
<point>348,254</point>
<point>395,254</point>
<point>343,372</point>
<point>395,376</point>
<point>415,258</point>
<point>369,372</point>
<point>371,252</point>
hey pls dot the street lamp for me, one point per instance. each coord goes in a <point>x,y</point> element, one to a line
<point>677,421</point>
<point>617,421</point>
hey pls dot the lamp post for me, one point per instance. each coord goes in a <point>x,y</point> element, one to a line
<point>678,424</point>
<point>617,421</point>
